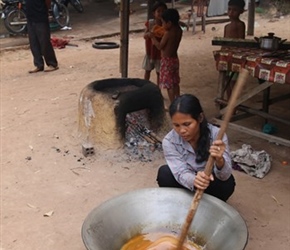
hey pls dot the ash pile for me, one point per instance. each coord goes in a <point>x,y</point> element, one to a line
<point>141,143</point>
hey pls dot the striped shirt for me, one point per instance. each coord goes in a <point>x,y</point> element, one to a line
<point>180,157</point>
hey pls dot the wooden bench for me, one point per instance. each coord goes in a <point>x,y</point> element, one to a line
<point>198,9</point>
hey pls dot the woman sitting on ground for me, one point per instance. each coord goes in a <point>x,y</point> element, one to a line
<point>187,147</point>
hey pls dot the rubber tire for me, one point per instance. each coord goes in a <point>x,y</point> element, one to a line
<point>56,12</point>
<point>105,45</point>
<point>17,29</point>
<point>77,5</point>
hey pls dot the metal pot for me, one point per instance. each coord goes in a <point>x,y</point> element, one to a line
<point>110,225</point>
<point>270,42</point>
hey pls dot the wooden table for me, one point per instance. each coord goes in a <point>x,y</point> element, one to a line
<point>269,68</point>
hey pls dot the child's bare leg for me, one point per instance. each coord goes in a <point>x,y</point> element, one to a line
<point>158,81</point>
<point>171,94</point>
<point>176,89</point>
<point>147,75</point>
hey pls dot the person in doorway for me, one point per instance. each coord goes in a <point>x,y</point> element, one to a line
<point>39,35</point>
<point>169,68</point>
<point>153,55</point>
<point>235,29</point>
<point>186,150</point>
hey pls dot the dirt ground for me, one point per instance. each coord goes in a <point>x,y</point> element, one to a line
<point>43,171</point>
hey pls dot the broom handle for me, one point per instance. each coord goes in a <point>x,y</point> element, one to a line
<point>209,165</point>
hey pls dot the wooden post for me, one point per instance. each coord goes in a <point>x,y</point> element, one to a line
<point>150,4</point>
<point>251,17</point>
<point>124,36</point>
<point>173,4</point>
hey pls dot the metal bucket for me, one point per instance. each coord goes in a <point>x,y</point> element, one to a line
<point>110,225</point>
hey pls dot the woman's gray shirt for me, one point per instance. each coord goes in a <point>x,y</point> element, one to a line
<point>180,157</point>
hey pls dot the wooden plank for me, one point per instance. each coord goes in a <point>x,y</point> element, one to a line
<point>255,112</point>
<point>270,138</point>
<point>250,93</point>
<point>242,43</point>
<point>231,42</point>
<point>279,98</point>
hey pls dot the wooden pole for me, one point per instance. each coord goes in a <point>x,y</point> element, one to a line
<point>124,36</point>
<point>150,4</point>
<point>251,17</point>
<point>209,165</point>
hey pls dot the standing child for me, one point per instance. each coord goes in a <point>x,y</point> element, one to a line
<point>169,68</point>
<point>235,29</point>
<point>153,55</point>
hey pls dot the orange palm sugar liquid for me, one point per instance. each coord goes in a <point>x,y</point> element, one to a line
<point>157,241</point>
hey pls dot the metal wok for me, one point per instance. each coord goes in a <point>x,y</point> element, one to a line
<point>110,225</point>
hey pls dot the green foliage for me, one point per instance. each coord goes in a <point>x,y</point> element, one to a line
<point>260,10</point>
<point>282,6</point>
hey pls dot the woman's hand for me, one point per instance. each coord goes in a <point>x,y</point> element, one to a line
<point>202,181</point>
<point>217,150</point>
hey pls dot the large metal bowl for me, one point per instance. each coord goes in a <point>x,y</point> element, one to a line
<point>110,225</point>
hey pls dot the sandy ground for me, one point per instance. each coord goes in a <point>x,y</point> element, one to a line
<point>43,169</point>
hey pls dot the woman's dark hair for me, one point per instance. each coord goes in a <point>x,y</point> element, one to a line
<point>238,3</point>
<point>189,104</point>
<point>158,4</point>
<point>171,15</point>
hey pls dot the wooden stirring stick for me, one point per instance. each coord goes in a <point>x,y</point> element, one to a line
<point>209,165</point>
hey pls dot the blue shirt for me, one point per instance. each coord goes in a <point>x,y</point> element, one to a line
<point>180,157</point>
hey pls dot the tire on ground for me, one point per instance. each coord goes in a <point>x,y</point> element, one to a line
<point>105,45</point>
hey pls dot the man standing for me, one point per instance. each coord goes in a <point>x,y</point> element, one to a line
<point>39,35</point>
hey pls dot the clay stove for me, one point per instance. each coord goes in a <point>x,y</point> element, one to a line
<point>104,105</point>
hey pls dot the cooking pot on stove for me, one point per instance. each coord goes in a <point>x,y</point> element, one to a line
<point>270,42</point>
